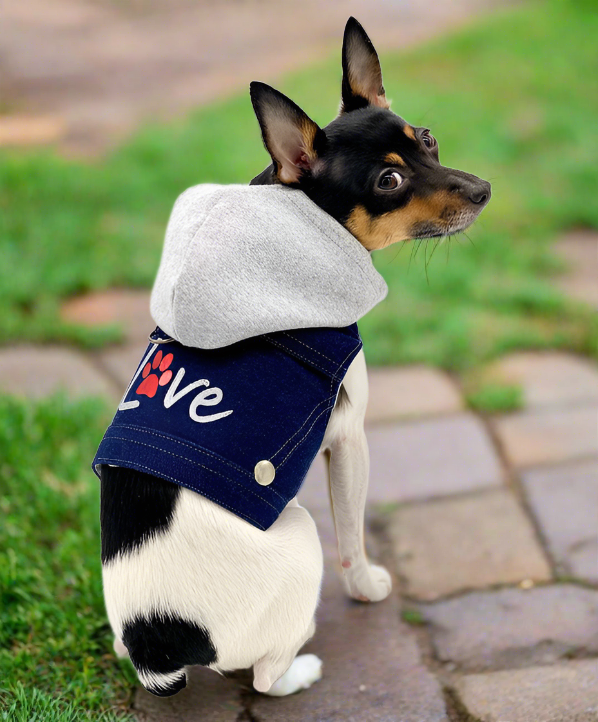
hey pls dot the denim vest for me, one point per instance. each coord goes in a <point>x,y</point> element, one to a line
<point>240,424</point>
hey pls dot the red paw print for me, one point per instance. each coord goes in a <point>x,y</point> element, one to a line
<point>150,383</point>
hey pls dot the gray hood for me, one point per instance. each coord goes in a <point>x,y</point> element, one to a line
<point>239,261</point>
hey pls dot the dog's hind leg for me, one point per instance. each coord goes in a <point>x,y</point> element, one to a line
<point>303,672</point>
<point>161,647</point>
<point>119,649</point>
<point>348,461</point>
<point>287,674</point>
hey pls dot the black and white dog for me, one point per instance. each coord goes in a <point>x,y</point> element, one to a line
<point>186,582</point>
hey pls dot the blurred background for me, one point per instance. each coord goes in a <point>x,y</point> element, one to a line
<point>483,357</point>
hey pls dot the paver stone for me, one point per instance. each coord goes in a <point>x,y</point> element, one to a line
<point>549,377</point>
<point>38,371</point>
<point>469,542</point>
<point>564,500</point>
<point>427,458</point>
<point>514,627</point>
<point>548,436</point>
<point>565,692</point>
<point>409,392</point>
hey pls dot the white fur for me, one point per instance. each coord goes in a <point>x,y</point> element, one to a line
<point>257,591</point>
<point>303,672</point>
<point>159,681</point>
<point>349,468</point>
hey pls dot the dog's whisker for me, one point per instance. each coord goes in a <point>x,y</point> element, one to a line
<point>448,248</point>
<point>423,117</point>
<point>402,245</point>
<point>413,247</point>
<point>469,239</point>
<point>426,261</point>
<point>436,244</point>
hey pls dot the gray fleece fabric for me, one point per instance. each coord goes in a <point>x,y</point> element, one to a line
<point>240,261</point>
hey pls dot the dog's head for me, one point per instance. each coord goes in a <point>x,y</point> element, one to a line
<point>369,169</point>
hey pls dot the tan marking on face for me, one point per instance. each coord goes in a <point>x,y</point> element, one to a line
<point>409,132</point>
<point>378,232</point>
<point>394,159</point>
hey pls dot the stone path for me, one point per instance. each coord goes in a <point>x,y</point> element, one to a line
<point>84,73</point>
<point>488,524</point>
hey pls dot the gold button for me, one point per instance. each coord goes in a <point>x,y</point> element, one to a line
<point>264,472</point>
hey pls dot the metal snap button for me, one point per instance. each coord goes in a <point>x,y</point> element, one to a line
<point>264,472</point>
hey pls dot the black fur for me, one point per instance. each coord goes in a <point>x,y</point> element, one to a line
<point>134,506</point>
<point>348,156</point>
<point>268,101</point>
<point>354,33</point>
<point>164,645</point>
<point>351,167</point>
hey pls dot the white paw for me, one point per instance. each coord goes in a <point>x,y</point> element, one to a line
<point>303,672</point>
<point>371,583</point>
<point>121,651</point>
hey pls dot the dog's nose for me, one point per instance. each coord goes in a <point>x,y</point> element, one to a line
<point>479,192</point>
<point>469,187</point>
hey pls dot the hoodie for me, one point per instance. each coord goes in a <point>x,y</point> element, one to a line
<point>256,302</point>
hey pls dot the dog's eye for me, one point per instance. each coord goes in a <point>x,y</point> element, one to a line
<point>428,140</point>
<point>390,181</point>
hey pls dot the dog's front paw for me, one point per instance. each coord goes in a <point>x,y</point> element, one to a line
<point>371,583</point>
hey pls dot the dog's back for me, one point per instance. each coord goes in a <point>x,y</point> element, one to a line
<point>187,583</point>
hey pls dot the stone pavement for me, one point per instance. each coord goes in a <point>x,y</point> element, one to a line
<point>488,524</point>
<point>84,73</point>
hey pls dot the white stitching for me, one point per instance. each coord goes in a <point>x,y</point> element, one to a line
<point>109,459</point>
<point>311,361</point>
<point>346,357</point>
<point>318,416</point>
<point>313,411</point>
<point>315,350</point>
<point>193,448</point>
<point>306,420</point>
<point>183,443</point>
<point>306,435</point>
<point>191,461</point>
<point>298,355</point>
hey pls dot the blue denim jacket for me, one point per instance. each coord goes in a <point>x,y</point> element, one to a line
<point>205,418</point>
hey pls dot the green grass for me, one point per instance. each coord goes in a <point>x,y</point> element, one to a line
<point>414,617</point>
<point>510,100</point>
<point>495,398</point>
<point>56,660</point>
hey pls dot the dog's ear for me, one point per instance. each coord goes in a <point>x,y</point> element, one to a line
<point>362,75</point>
<point>293,140</point>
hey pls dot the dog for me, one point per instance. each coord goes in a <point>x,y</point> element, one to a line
<point>185,581</point>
